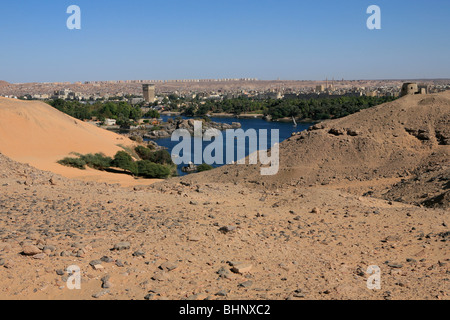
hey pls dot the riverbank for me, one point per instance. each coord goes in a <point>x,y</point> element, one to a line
<point>219,115</point>
<point>166,129</point>
<point>289,120</point>
<point>245,116</point>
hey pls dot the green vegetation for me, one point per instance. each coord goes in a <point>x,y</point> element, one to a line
<point>154,164</point>
<point>124,161</point>
<point>323,108</point>
<point>315,108</point>
<point>152,114</point>
<point>204,167</point>
<point>159,156</point>
<point>96,161</point>
<point>73,162</point>
<point>121,111</point>
<point>148,169</point>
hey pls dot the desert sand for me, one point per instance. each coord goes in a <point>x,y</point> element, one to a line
<point>33,133</point>
<point>369,189</point>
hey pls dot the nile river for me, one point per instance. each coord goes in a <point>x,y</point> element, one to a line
<point>285,131</point>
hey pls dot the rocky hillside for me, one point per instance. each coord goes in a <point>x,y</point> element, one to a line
<point>375,147</point>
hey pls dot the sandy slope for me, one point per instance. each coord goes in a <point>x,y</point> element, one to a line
<point>35,133</point>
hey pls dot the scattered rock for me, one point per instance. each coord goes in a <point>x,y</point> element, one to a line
<point>222,293</point>
<point>227,229</point>
<point>161,276</point>
<point>223,272</point>
<point>394,265</point>
<point>95,262</point>
<point>105,282</point>
<point>31,250</point>
<point>149,296</point>
<point>298,293</point>
<point>198,296</point>
<point>107,259</point>
<point>246,284</point>
<point>168,266</point>
<point>119,264</point>
<point>242,268</point>
<point>50,247</point>
<point>122,246</point>
<point>139,253</point>
<point>100,294</point>
<point>39,256</point>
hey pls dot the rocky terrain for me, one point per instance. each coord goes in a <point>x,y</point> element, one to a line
<point>345,199</point>
<point>212,240</point>
<point>167,128</point>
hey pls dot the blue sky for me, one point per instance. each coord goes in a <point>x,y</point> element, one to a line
<point>190,39</point>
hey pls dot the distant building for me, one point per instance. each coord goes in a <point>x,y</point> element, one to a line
<point>134,101</point>
<point>110,122</point>
<point>413,88</point>
<point>149,92</point>
<point>372,93</point>
<point>274,95</point>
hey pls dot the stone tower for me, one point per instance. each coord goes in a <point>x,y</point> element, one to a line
<point>409,88</point>
<point>149,92</point>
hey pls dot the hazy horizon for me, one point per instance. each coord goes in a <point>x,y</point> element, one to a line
<point>266,39</point>
<point>268,80</point>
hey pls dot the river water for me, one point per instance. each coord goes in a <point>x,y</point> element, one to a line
<point>285,130</point>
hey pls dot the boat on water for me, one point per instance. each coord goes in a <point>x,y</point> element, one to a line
<point>295,122</point>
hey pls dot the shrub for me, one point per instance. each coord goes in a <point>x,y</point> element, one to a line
<point>152,114</point>
<point>97,161</point>
<point>143,152</point>
<point>148,169</point>
<point>160,156</point>
<point>124,161</point>
<point>73,162</point>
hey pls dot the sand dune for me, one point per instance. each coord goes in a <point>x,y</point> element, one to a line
<point>37,134</point>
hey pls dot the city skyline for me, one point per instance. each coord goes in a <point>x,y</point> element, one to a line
<point>289,40</point>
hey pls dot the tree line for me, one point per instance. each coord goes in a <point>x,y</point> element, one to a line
<point>121,111</point>
<point>314,109</point>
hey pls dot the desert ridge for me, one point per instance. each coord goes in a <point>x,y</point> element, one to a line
<point>400,142</point>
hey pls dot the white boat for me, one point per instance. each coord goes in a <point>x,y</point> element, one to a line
<point>295,122</point>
